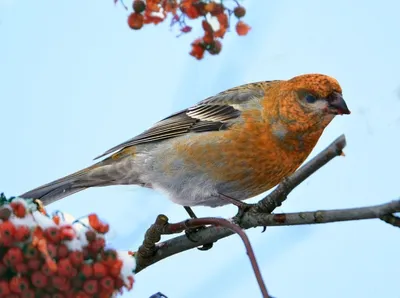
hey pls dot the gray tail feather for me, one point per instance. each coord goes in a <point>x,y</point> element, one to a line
<point>63,187</point>
<point>49,195</point>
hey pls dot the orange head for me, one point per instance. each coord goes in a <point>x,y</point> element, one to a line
<point>319,93</point>
<point>308,102</point>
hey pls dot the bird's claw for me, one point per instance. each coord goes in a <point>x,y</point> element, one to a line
<point>242,209</point>
<point>189,233</point>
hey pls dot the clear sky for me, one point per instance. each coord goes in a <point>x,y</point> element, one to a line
<point>75,81</point>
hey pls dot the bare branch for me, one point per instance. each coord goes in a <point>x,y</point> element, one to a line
<point>211,234</point>
<point>323,216</point>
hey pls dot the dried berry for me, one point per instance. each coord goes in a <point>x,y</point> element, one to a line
<point>139,6</point>
<point>239,11</point>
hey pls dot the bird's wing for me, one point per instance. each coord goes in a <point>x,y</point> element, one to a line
<point>212,114</point>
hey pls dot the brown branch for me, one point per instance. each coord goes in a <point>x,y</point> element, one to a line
<point>162,227</point>
<point>250,220</point>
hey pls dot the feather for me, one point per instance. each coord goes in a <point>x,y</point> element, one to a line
<point>212,114</point>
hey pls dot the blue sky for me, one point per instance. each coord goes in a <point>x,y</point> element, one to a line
<point>77,81</point>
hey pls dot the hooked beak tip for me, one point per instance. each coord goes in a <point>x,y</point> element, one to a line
<point>338,105</point>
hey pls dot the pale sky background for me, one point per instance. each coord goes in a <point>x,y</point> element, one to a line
<point>75,81</point>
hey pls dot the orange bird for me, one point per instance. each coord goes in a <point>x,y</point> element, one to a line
<point>238,144</point>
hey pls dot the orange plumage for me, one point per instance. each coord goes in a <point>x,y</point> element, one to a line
<point>239,143</point>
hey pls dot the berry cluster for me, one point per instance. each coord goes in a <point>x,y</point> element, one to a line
<point>47,256</point>
<point>212,12</point>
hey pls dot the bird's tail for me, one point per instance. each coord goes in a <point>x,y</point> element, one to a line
<point>100,174</point>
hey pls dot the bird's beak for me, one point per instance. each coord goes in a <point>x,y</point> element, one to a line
<point>337,105</point>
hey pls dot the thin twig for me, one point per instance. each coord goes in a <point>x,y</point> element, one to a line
<point>250,220</point>
<point>383,211</point>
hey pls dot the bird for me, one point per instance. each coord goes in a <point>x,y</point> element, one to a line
<point>236,144</point>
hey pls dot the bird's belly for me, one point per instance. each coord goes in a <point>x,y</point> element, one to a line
<point>193,171</point>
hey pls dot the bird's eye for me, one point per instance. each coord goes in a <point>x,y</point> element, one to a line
<point>310,98</point>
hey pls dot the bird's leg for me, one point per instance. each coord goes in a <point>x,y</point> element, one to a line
<point>189,232</point>
<point>242,206</point>
<point>190,212</point>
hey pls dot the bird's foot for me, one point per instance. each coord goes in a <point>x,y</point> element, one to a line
<point>242,209</point>
<point>242,206</point>
<point>189,232</point>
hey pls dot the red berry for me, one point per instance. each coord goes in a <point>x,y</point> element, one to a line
<point>65,268</point>
<point>115,270</point>
<point>28,294</point>
<point>99,270</point>
<point>21,268</point>
<point>30,252</point>
<point>57,295</point>
<point>242,28</point>
<point>60,283</point>
<point>90,235</point>
<point>110,256</point>
<point>53,234</point>
<point>76,258</point>
<point>97,245</point>
<point>18,209</point>
<point>38,279</point>
<point>13,256</point>
<point>7,231</point>
<point>18,284</point>
<point>86,271</point>
<point>67,233</point>
<point>107,283</point>
<point>139,6</point>
<point>47,270</point>
<point>4,288</point>
<point>22,233</point>
<point>62,251</point>
<point>90,286</point>
<point>119,283</point>
<point>34,264</point>
<point>239,11</point>
<point>135,22</point>
<point>215,47</point>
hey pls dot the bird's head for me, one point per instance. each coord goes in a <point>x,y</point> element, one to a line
<point>312,99</point>
<point>319,94</point>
